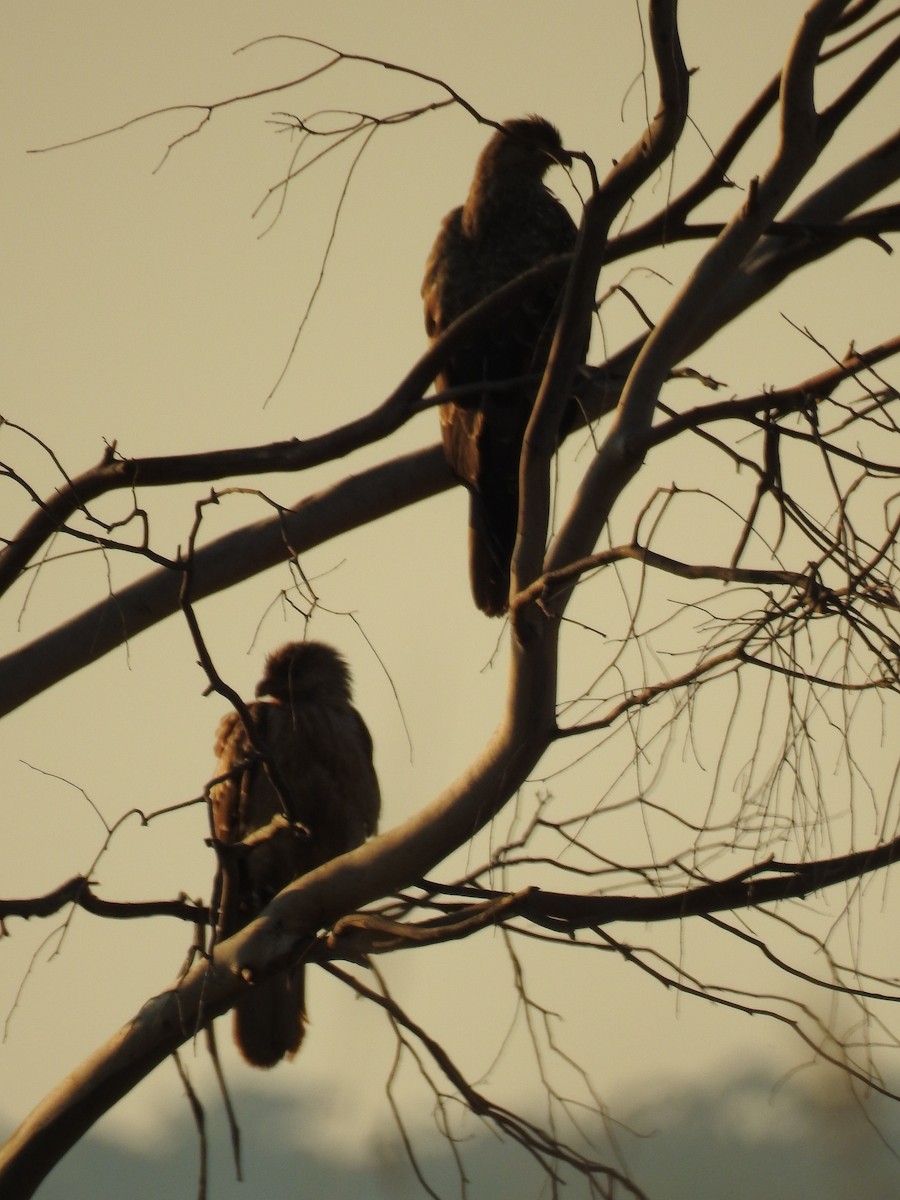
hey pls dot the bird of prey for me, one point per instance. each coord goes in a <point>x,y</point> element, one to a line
<point>307,794</point>
<point>509,223</point>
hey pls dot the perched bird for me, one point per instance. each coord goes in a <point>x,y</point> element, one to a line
<point>318,755</point>
<point>509,223</point>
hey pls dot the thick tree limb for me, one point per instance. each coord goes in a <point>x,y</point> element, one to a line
<point>240,555</point>
<point>318,900</point>
<point>653,147</point>
<point>697,305</point>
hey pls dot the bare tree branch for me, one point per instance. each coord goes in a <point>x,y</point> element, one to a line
<point>797,617</point>
<point>78,891</point>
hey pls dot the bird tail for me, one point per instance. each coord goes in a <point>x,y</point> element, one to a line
<point>269,1021</point>
<point>491,544</point>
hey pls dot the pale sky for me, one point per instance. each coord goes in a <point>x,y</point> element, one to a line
<point>142,306</point>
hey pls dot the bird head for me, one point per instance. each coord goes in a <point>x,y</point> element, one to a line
<point>304,671</point>
<point>532,143</point>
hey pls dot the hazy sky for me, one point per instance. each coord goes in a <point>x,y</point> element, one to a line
<point>150,301</point>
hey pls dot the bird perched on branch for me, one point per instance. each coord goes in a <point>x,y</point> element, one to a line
<point>509,223</point>
<point>301,791</point>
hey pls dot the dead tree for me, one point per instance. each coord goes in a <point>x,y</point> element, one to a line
<point>784,586</point>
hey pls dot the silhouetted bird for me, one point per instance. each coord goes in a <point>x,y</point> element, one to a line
<point>509,223</point>
<point>321,754</point>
